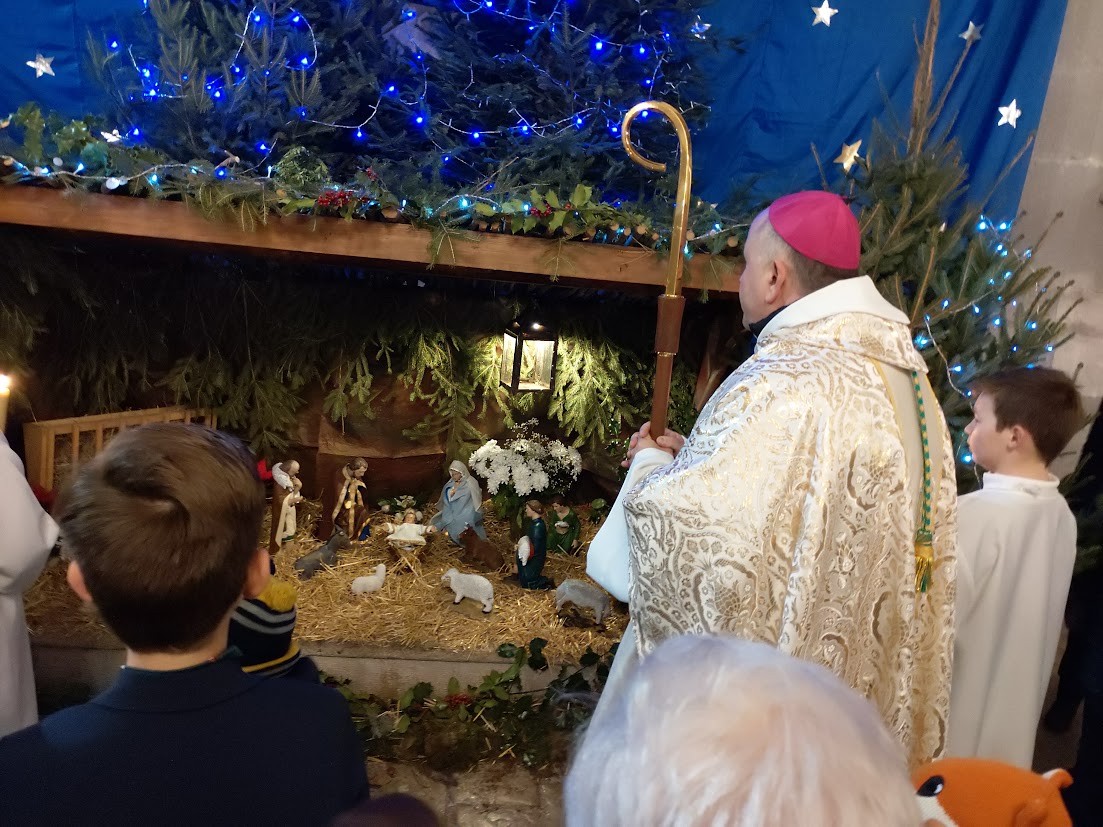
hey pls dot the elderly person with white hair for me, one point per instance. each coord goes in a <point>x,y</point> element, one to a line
<point>723,732</point>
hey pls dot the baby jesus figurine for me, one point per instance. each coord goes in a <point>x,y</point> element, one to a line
<point>409,534</point>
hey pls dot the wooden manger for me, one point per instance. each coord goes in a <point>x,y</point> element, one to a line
<point>54,448</point>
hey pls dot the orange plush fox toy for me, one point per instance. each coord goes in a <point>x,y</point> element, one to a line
<point>969,792</point>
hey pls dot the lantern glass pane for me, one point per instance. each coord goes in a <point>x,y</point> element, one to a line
<point>509,354</point>
<point>536,366</point>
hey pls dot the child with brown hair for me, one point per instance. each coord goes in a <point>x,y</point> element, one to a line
<point>162,529</point>
<point>1016,549</point>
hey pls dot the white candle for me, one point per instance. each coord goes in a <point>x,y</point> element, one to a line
<point>5,392</point>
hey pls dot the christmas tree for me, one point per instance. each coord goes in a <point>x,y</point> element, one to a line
<point>433,95</point>
<point>976,302</point>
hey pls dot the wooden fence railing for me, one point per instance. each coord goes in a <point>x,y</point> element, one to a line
<point>62,444</point>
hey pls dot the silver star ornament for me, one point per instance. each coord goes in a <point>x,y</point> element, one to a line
<point>1010,114</point>
<point>41,66</point>
<point>699,28</point>
<point>824,14</point>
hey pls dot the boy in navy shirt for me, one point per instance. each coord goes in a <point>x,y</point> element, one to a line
<point>162,530</point>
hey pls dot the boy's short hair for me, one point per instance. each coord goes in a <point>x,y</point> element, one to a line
<point>1042,401</point>
<point>163,525</point>
<point>558,499</point>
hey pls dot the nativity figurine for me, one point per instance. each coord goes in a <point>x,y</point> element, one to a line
<point>532,554</point>
<point>460,504</point>
<point>286,494</point>
<point>349,512</point>
<point>410,533</point>
<point>566,528</point>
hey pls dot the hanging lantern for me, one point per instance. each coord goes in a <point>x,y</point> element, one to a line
<point>529,349</point>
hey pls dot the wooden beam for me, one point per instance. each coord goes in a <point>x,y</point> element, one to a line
<point>502,257</point>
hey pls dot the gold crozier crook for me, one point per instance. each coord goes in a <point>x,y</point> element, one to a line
<point>668,326</point>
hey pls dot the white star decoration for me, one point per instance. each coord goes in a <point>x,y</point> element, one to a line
<point>972,34</point>
<point>849,155</point>
<point>41,66</point>
<point>1010,113</point>
<point>824,14</point>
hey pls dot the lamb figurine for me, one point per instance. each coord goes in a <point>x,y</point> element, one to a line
<point>470,585</point>
<point>371,582</point>
<point>585,596</point>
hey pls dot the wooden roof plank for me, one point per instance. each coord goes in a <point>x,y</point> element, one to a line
<point>372,243</point>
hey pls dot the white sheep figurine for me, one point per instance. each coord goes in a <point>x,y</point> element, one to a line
<point>470,585</point>
<point>583,595</point>
<point>371,582</point>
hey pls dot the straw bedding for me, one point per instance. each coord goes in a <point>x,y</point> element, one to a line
<point>412,610</point>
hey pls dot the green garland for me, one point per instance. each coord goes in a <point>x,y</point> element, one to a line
<point>454,730</point>
<point>67,154</point>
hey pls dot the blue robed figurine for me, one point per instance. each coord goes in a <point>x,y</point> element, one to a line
<point>460,504</point>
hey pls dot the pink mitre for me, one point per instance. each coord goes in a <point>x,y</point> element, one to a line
<point>818,225</point>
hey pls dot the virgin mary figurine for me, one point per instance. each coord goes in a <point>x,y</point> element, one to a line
<point>460,504</point>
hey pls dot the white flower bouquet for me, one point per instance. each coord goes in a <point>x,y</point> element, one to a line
<point>521,468</point>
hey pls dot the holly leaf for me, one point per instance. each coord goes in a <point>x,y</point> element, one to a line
<point>72,137</point>
<point>94,155</point>
<point>405,701</point>
<point>529,223</point>
<point>537,661</point>
<point>557,219</point>
<point>581,195</point>
<point>402,724</point>
<point>482,208</point>
<point>29,116</point>
<point>507,650</point>
<point>552,199</point>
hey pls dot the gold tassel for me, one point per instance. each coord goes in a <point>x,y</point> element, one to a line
<point>924,560</point>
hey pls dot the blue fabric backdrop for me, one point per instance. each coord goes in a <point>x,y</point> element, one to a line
<point>796,84</point>
<point>800,84</point>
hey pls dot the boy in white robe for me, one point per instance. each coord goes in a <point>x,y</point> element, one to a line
<point>1016,549</point>
<point>26,536</point>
